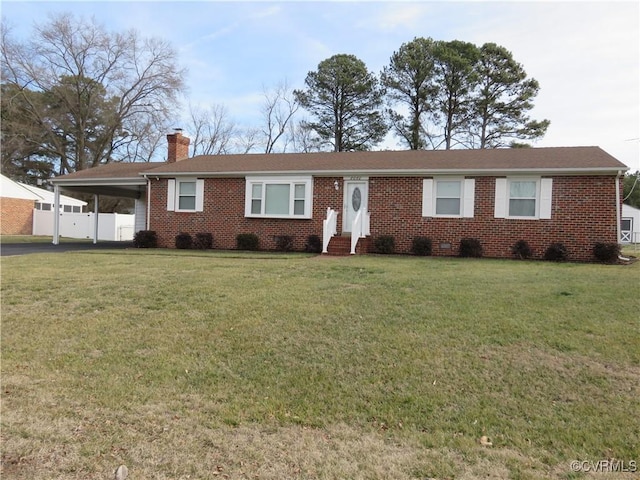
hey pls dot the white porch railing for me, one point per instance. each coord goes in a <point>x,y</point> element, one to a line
<point>360,229</point>
<point>329,228</point>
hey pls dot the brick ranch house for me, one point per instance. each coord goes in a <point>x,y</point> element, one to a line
<point>542,195</point>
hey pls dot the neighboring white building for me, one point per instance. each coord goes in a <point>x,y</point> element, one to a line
<point>43,198</point>
<point>28,210</point>
<point>630,225</point>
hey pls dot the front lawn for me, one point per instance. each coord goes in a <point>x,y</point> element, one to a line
<point>187,364</point>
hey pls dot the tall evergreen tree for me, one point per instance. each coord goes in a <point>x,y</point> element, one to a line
<point>345,99</point>
<point>502,100</point>
<point>455,80</point>
<point>409,82</point>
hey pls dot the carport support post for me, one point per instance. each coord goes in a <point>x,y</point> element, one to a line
<point>95,216</point>
<point>56,214</point>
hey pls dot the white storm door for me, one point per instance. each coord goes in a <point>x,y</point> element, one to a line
<point>355,200</point>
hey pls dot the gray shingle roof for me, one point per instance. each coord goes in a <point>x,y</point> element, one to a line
<point>422,162</point>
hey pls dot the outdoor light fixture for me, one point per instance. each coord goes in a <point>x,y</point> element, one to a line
<point>336,185</point>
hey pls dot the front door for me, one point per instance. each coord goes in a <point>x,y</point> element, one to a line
<point>355,200</point>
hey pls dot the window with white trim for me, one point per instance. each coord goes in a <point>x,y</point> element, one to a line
<point>523,198</point>
<point>448,197</point>
<point>278,197</point>
<point>185,194</point>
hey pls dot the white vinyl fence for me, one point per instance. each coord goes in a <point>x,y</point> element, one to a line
<point>111,226</point>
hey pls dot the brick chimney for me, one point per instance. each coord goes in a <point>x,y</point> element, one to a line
<point>178,146</point>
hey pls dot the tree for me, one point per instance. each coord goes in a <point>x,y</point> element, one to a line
<point>409,82</point>
<point>631,189</point>
<point>212,131</point>
<point>87,91</point>
<point>502,100</point>
<point>345,99</point>
<point>279,107</point>
<point>455,78</point>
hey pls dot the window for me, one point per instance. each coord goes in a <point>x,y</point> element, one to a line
<point>448,197</point>
<point>278,197</point>
<point>523,198</point>
<point>185,195</point>
<point>448,193</point>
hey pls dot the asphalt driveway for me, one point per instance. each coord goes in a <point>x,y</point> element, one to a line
<point>7,249</point>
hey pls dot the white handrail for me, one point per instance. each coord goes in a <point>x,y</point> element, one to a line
<point>329,228</point>
<point>360,229</point>
<point>356,231</point>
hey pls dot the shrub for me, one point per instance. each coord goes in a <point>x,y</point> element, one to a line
<point>384,244</point>
<point>556,252</point>
<point>606,252</point>
<point>470,247</point>
<point>203,241</point>
<point>522,250</point>
<point>314,244</point>
<point>421,246</point>
<point>145,239</point>
<point>184,241</point>
<point>284,243</point>
<point>247,241</point>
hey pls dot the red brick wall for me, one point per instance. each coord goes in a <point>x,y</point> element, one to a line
<point>17,216</point>
<point>223,215</point>
<point>583,213</point>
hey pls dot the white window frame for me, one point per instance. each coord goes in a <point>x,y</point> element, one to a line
<point>173,194</point>
<point>307,181</point>
<point>543,198</point>
<point>430,192</point>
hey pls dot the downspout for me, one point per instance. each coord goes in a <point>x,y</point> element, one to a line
<point>618,207</point>
<point>147,221</point>
<point>96,215</point>
<point>56,214</point>
<point>619,213</point>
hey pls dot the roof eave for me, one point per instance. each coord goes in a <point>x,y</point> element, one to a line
<point>395,172</point>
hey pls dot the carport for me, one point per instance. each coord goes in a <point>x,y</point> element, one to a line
<point>115,180</point>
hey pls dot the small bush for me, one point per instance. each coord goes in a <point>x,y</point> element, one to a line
<point>145,239</point>
<point>606,252</point>
<point>522,250</point>
<point>470,247</point>
<point>556,252</point>
<point>184,241</point>
<point>314,244</point>
<point>284,243</point>
<point>247,241</point>
<point>203,241</point>
<point>384,244</point>
<point>421,246</point>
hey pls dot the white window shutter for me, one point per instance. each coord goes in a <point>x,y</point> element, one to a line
<point>199,195</point>
<point>427,197</point>
<point>546,190</point>
<point>171,194</point>
<point>469,193</point>
<point>500,207</point>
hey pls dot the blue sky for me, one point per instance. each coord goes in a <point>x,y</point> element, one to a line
<point>585,55</point>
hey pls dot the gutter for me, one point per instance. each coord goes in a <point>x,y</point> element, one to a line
<point>385,172</point>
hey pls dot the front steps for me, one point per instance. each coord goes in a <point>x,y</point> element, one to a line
<point>340,245</point>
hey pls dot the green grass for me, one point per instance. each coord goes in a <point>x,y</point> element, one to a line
<point>259,365</point>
